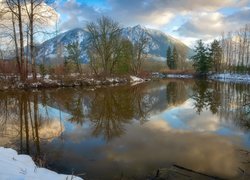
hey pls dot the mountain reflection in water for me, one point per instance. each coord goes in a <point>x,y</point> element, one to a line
<point>131,131</point>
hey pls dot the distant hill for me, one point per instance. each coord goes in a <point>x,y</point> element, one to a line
<point>50,50</point>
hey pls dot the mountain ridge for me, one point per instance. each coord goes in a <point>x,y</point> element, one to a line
<point>54,49</point>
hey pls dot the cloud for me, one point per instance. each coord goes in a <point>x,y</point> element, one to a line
<point>155,13</point>
<point>208,25</point>
<point>158,13</point>
<point>76,14</point>
<point>202,25</point>
<point>185,5</point>
<point>199,19</point>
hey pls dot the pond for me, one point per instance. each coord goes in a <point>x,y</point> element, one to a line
<point>130,132</point>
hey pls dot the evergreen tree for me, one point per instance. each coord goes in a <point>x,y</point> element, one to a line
<point>215,55</point>
<point>172,58</point>
<point>73,58</point>
<point>201,60</point>
<point>175,58</point>
<point>169,57</point>
<point>42,69</point>
<point>123,66</point>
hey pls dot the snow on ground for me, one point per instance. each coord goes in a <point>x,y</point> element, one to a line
<point>135,79</point>
<point>227,77</point>
<point>22,167</point>
<point>179,76</point>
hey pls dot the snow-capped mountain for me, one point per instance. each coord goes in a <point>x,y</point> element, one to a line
<point>55,49</point>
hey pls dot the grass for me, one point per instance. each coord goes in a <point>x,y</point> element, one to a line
<point>178,71</point>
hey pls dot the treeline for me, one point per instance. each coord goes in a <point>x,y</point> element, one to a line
<point>236,50</point>
<point>230,54</point>
<point>108,52</point>
<point>176,58</point>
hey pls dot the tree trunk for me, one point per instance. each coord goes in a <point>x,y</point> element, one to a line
<point>32,48</point>
<point>21,40</point>
<point>16,45</point>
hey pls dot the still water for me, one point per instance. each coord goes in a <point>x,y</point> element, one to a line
<point>129,132</point>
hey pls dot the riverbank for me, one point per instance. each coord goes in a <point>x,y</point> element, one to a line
<point>222,77</point>
<point>15,167</point>
<point>12,82</point>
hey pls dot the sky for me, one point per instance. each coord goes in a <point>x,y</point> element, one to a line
<point>187,20</point>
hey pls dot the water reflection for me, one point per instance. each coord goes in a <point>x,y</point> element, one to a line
<point>230,101</point>
<point>22,126</point>
<point>111,109</point>
<point>177,147</point>
<point>128,132</point>
<point>176,93</point>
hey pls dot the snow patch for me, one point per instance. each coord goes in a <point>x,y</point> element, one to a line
<point>135,79</point>
<point>184,76</point>
<point>228,77</point>
<point>15,167</point>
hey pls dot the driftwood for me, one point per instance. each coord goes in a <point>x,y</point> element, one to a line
<point>176,171</point>
<point>190,170</point>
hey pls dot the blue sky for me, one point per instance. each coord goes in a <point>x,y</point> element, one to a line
<point>187,20</point>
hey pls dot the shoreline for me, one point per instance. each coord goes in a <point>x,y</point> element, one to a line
<point>230,77</point>
<point>47,83</point>
<point>220,77</point>
<point>20,166</point>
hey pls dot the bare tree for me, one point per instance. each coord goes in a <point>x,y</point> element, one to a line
<point>32,10</point>
<point>24,19</point>
<point>15,7</point>
<point>104,45</point>
<point>236,50</point>
<point>139,52</point>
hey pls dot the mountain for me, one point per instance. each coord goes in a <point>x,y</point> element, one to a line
<point>54,49</point>
<point>158,41</point>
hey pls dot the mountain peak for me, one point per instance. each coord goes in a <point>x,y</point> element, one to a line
<point>138,26</point>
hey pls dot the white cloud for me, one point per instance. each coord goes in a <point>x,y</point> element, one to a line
<point>202,19</point>
<point>205,24</point>
<point>210,25</point>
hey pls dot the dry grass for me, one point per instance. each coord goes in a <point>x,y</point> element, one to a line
<point>177,71</point>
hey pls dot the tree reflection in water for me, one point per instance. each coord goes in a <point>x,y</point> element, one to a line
<point>176,93</point>
<point>107,109</point>
<point>23,126</point>
<point>36,122</point>
<point>111,109</point>
<point>226,99</point>
<point>21,121</point>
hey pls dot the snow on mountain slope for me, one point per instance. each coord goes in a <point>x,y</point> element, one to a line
<point>54,49</point>
<point>158,41</point>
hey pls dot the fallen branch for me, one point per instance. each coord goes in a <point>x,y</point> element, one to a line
<point>190,170</point>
